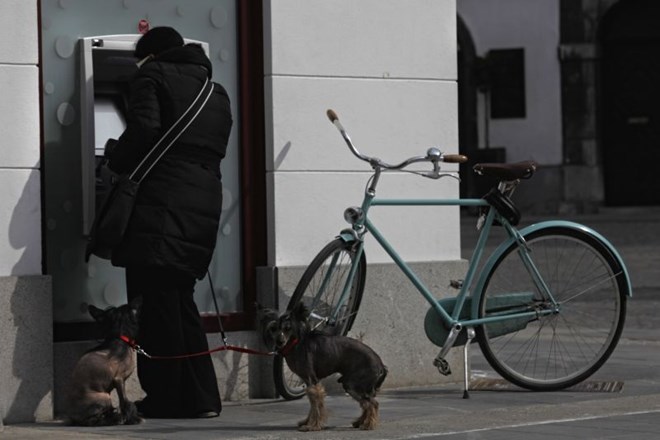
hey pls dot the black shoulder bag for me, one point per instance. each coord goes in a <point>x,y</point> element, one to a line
<point>115,212</point>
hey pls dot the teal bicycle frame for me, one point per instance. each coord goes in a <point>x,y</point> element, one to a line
<point>472,308</point>
<point>452,320</point>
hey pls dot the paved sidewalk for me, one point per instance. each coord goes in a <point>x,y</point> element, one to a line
<point>441,412</point>
<point>416,413</point>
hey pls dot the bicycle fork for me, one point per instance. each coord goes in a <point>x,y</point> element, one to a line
<point>346,290</point>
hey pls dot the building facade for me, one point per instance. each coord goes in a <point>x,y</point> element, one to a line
<point>288,176</point>
<point>570,84</point>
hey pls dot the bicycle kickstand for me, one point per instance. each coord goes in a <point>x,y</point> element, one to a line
<point>466,379</point>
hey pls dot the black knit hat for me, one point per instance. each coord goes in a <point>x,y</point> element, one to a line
<point>157,40</point>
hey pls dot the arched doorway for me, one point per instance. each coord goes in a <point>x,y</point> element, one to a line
<point>630,40</point>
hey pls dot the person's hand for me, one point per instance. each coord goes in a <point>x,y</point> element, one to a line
<point>109,147</point>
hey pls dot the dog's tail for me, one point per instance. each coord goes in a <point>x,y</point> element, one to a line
<point>381,378</point>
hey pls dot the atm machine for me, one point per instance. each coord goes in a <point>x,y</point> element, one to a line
<point>86,56</point>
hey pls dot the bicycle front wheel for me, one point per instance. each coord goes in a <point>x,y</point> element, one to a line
<point>320,289</point>
<point>560,349</point>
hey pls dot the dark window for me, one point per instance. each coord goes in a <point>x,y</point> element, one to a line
<point>506,72</point>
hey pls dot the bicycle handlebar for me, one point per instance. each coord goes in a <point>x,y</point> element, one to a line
<point>433,154</point>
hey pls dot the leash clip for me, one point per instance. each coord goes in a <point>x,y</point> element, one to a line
<point>134,345</point>
<point>140,350</point>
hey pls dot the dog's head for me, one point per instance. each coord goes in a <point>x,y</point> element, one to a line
<point>117,321</point>
<point>278,331</point>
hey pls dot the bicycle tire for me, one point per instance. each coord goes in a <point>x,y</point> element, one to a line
<point>559,350</point>
<point>287,384</point>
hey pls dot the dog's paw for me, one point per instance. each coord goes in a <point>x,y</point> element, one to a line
<point>367,426</point>
<point>131,416</point>
<point>365,423</point>
<point>310,424</point>
<point>310,427</point>
<point>368,423</point>
<point>134,420</point>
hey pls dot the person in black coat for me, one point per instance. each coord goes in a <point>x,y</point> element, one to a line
<point>172,232</point>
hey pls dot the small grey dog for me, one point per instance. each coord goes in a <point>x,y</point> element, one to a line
<point>314,355</point>
<point>105,368</point>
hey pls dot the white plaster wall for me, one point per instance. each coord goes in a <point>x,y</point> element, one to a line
<point>20,201</point>
<point>388,67</point>
<point>369,38</point>
<point>534,26</point>
<point>19,112</point>
<point>20,219</point>
<point>418,233</point>
<point>18,28</point>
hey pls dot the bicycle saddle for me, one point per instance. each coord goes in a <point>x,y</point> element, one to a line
<point>507,171</point>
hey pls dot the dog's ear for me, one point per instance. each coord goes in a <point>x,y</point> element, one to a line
<point>269,324</point>
<point>136,304</point>
<point>265,315</point>
<point>267,318</point>
<point>269,333</point>
<point>96,313</point>
<point>300,312</point>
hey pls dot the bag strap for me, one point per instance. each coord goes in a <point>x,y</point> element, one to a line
<point>175,131</point>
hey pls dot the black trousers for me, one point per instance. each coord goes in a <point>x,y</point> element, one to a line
<point>170,325</point>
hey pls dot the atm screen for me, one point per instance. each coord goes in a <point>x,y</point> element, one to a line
<point>109,120</point>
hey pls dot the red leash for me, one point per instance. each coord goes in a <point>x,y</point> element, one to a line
<point>284,351</point>
<point>131,342</point>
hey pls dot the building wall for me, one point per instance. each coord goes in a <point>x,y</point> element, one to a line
<point>580,54</point>
<point>534,26</point>
<point>20,204</point>
<point>388,68</point>
<point>25,303</point>
<point>394,88</point>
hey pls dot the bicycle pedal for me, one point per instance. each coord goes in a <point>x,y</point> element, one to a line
<point>443,366</point>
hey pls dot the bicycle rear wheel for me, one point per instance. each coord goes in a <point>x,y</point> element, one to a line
<point>561,349</point>
<point>320,289</point>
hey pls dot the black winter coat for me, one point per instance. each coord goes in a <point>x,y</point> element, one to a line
<point>177,213</point>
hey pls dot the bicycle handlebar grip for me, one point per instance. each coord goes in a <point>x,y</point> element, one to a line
<point>332,115</point>
<point>454,158</point>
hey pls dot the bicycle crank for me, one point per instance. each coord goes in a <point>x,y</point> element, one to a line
<point>440,361</point>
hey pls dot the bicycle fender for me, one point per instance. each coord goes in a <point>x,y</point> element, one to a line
<point>543,225</point>
<point>348,235</point>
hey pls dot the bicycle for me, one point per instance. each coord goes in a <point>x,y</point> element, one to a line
<point>547,307</point>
